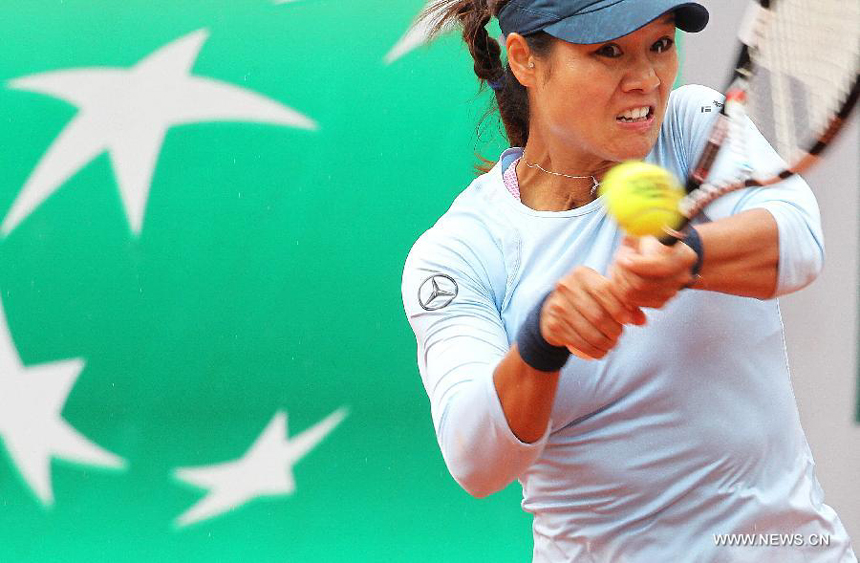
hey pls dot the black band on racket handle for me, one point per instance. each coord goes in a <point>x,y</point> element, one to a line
<point>672,236</point>
<point>669,240</point>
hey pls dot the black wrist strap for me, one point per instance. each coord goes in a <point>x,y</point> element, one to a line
<point>694,241</point>
<point>534,350</point>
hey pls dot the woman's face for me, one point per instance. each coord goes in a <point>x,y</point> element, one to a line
<point>608,99</point>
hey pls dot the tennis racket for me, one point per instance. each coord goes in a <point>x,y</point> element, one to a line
<point>796,78</point>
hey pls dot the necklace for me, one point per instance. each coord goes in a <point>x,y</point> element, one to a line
<point>595,183</point>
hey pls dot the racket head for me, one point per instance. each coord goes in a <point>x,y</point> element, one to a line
<point>804,58</point>
<point>795,81</point>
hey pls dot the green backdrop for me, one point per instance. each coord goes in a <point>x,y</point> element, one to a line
<point>263,278</point>
<point>234,319</point>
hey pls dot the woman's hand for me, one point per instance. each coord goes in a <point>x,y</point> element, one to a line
<point>646,273</point>
<point>585,314</point>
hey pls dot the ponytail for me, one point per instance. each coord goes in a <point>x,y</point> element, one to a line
<point>511,97</point>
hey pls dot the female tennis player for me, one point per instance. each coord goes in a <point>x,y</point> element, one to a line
<point>673,424</point>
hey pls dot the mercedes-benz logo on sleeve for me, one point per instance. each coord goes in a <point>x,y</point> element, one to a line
<point>437,292</point>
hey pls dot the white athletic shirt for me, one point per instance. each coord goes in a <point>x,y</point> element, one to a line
<point>686,430</point>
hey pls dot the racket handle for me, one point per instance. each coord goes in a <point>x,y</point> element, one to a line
<point>673,236</point>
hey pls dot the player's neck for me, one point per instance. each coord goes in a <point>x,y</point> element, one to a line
<point>543,176</point>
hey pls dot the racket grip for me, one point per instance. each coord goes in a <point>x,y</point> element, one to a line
<point>672,236</point>
<point>669,240</point>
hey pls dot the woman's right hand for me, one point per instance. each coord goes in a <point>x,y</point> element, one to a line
<point>584,315</point>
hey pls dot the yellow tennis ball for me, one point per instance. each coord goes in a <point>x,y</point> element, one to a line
<point>643,198</point>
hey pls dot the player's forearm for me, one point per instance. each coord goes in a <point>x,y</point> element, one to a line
<point>741,255</point>
<point>526,395</point>
<point>480,447</point>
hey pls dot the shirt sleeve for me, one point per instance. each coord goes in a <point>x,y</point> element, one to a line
<point>791,202</point>
<point>452,309</point>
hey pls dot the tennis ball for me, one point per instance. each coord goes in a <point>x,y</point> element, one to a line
<point>643,198</point>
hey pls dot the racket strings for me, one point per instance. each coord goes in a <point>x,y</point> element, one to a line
<point>806,62</point>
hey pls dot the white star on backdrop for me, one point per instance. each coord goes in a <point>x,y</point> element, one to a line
<point>417,35</point>
<point>266,469</point>
<point>127,113</point>
<point>31,425</point>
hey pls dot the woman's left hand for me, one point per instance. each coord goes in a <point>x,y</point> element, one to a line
<point>648,274</point>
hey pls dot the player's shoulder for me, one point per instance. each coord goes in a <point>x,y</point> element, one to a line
<point>466,238</point>
<point>466,228</point>
<point>695,99</point>
<point>694,93</point>
<point>690,115</point>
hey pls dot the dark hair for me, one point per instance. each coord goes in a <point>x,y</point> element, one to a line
<point>511,99</point>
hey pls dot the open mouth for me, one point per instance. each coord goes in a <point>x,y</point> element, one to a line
<point>635,115</point>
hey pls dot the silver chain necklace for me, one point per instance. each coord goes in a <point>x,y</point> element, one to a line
<point>594,186</point>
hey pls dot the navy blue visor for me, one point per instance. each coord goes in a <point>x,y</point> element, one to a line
<point>596,21</point>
